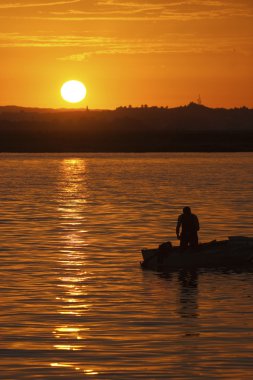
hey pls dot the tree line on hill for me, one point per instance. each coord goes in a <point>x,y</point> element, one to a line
<point>126,129</point>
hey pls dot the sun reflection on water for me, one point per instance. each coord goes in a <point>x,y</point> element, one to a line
<point>73,275</point>
<point>70,365</point>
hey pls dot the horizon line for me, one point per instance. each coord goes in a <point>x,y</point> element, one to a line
<point>128,107</point>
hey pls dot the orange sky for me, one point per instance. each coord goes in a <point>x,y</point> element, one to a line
<point>127,52</point>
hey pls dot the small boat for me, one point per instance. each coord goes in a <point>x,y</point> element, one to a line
<point>236,251</point>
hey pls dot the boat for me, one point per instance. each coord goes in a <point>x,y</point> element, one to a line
<point>236,251</point>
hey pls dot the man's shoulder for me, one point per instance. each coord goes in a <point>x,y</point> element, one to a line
<point>194,217</point>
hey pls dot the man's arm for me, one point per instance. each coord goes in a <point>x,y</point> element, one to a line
<point>179,222</point>
<point>197,223</point>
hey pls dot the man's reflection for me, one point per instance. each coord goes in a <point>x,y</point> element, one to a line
<point>188,293</point>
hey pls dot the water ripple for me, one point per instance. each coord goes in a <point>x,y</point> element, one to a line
<point>75,302</point>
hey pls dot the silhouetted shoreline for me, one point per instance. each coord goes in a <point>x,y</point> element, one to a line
<point>192,128</point>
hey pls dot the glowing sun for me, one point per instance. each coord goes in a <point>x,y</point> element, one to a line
<point>73,91</point>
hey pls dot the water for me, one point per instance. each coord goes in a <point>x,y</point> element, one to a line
<point>75,302</point>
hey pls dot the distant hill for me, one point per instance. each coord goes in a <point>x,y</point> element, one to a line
<point>187,128</point>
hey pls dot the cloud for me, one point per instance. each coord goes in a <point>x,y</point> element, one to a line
<point>82,47</point>
<point>181,10</point>
<point>97,45</point>
<point>119,10</point>
<point>38,40</point>
<point>172,44</point>
<point>30,5</point>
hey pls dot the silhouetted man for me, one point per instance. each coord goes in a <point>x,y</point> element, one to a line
<point>189,225</point>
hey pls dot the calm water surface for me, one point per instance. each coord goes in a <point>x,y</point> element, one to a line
<point>75,303</point>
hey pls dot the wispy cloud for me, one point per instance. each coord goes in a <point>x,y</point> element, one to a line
<point>188,44</point>
<point>181,10</point>
<point>31,5</point>
<point>38,40</point>
<point>101,45</point>
<point>119,10</point>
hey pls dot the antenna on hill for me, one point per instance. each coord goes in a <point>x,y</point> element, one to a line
<point>199,101</point>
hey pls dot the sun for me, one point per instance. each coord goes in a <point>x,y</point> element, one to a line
<point>73,91</point>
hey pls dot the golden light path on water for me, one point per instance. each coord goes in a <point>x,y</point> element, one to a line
<point>75,302</point>
<point>72,262</point>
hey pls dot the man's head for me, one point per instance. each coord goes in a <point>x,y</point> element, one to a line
<point>187,210</point>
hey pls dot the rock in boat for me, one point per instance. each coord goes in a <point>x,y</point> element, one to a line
<point>235,252</point>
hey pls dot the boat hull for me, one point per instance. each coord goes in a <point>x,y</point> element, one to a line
<point>234,252</point>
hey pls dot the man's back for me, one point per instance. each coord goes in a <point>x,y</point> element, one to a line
<point>189,223</point>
